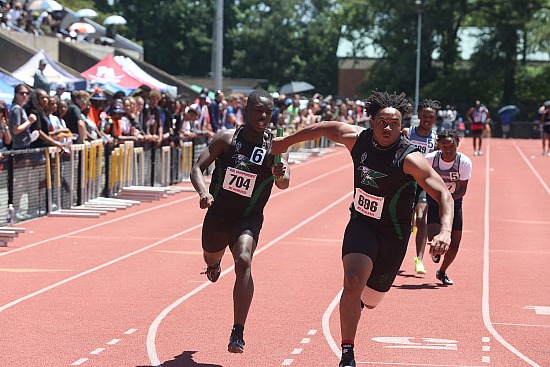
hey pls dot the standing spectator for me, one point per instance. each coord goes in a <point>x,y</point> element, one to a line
<point>58,128</point>
<point>60,90</point>
<point>240,188</point>
<point>154,118</point>
<point>76,111</point>
<point>455,169</point>
<point>5,136</point>
<point>20,126</point>
<point>215,111</point>
<point>545,127</point>
<point>478,116</point>
<point>386,166</point>
<point>230,119</point>
<point>96,113</point>
<point>38,106</point>
<point>40,80</point>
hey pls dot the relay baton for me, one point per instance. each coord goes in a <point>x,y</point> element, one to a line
<point>279,134</point>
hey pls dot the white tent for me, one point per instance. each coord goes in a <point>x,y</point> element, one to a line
<point>135,71</point>
<point>54,73</point>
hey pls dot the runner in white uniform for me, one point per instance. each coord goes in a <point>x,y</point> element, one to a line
<point>455,169</point>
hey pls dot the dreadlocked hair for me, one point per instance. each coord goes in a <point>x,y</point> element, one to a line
<point>380,100</point>
<point>447,133</point>
<point>429,103</point>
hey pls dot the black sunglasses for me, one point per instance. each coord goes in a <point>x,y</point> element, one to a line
<point>23,93</point>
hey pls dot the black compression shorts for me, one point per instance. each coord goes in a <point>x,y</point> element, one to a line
<point>386,252</point>
<point>219,230</point>
<point>433,214</point>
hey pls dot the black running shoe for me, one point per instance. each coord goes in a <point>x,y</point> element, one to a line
<point>436,258</point>
<point>213,272</point>
<point>344,362</point>
<point>443,278</point>
<point>236,343</point>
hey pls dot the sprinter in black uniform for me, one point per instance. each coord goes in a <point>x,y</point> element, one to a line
<point>240,188</point>
<point>386,166</point>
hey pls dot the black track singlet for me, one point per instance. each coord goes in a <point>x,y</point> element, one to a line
<point>383,193</point>
<point>242,180</point>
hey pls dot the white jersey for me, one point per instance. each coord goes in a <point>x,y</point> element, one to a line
<point>451,172</point>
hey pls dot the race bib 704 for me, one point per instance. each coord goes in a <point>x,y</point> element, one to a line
<point>239,182</point>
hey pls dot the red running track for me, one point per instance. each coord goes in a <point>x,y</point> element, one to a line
<point>126,290</point>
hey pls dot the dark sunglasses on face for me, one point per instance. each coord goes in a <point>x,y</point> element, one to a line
<point>23,93</point>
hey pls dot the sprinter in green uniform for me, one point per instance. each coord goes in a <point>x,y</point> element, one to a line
<point>239,190</point>
<point>386,167</point>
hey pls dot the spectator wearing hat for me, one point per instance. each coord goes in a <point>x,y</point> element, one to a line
<point>120,130</point>
<point>98,103</point>
<point>60,90</point>
<point>40,80</point>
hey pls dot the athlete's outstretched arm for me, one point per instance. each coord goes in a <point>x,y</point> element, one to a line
<point>336,131</point>
<point>219,144</point>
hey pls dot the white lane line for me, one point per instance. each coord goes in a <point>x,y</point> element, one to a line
<point>79,362</point>
<point>130,331</point>
<point>297,351</point>
<point>287,362</point>
<point>486,310</point>
<point>486,348</point>
<point>89,271</point>
<point>96,225</point>
<point>305,340</point>
<point>113,342</point>
<point>486,359</point>
<point>312,332</point>
<point>532,168</point>
<point>485,339</point>
<point>151,335</point>
<point>31,295</point>
<point>192,197</point>
<point>326,325</point>
<point>97,351</point>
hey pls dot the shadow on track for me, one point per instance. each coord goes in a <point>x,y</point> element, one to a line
<point>185,360</point>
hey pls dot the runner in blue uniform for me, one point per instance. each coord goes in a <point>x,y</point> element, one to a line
<point>386,169</point>
<point>456,169</point>
<point>239,190</point>
<point>423,137</point>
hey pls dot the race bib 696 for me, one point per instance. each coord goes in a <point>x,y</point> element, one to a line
<point>367,204</point>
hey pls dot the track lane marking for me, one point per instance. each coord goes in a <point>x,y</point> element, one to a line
<point>544,185</point>
<point>317,159</point>
<point>485,301</point>
<point>151,335</point>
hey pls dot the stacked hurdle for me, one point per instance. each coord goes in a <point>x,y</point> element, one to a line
<point>7,234</point>
<point>90,173</point>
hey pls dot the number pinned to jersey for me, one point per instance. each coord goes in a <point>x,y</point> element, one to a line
<point>367,204</point>
<point>239,182</point>
<point>258,155</point>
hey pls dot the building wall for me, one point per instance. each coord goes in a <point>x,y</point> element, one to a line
<point>351,73</point>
